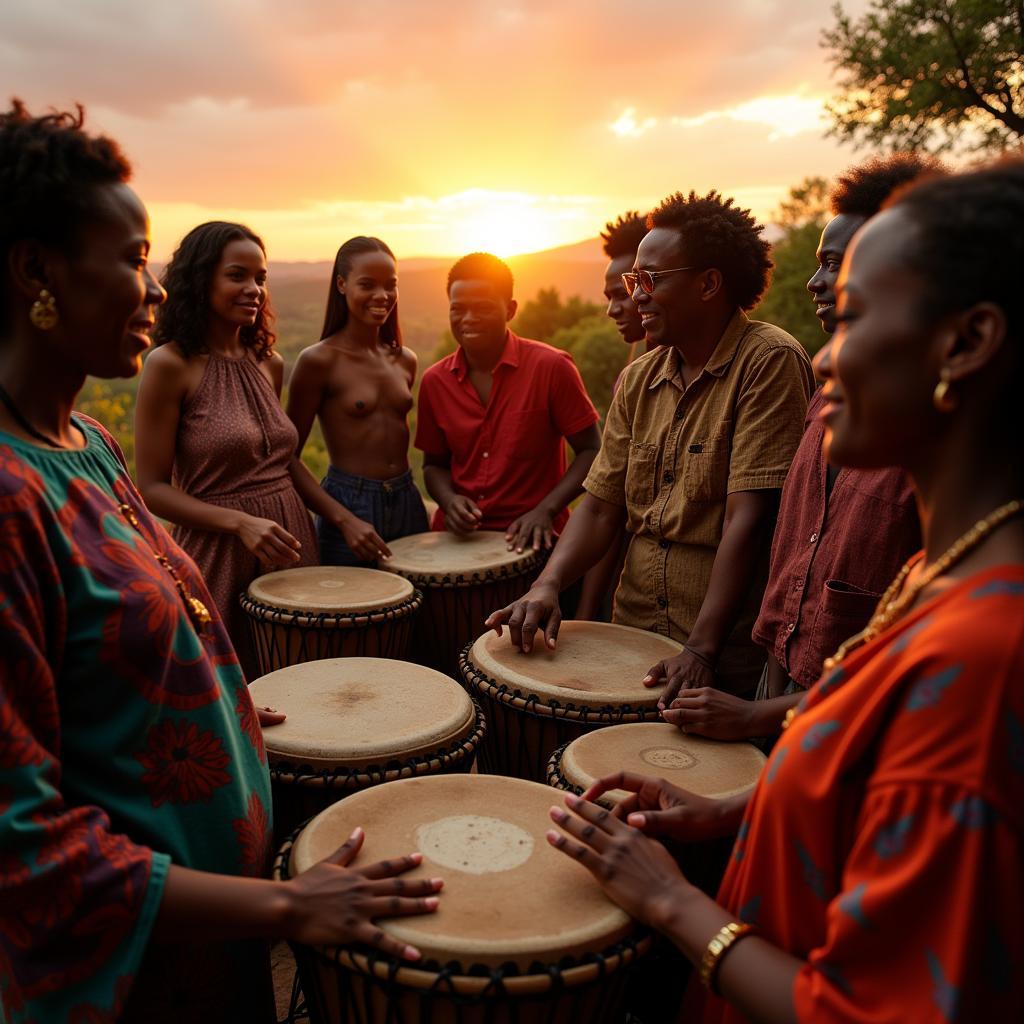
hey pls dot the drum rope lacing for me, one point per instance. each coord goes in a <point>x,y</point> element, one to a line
<point>340,777</point>
<point>472,578</point>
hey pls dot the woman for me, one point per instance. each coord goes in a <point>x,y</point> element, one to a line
<point>358,380</point>
<point>880,858</point>
<point>133,781</point>
<point>214,450</point>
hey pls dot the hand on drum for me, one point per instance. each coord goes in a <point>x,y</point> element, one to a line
<point>535,529</point>
<point>363,540</point>
<point>332,903</point>
<point>461,515</point>
<point>269,716</point>
<point>270,542</point>
<point>636,872</point>
<point>686,671</point>
<point>661,810</point>
<point>536,609</point>
<point>712,713</point>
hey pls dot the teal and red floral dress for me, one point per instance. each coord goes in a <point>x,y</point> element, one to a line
<point>128,742</point>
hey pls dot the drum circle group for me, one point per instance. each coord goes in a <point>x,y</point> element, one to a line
<point>395,702</point>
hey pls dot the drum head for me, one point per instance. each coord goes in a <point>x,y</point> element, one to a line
<point>508,895</point>
<point>352,712</point>
<point>706,767</point>
<point>594,664</point>
<point>435,556</point>
<point>330,589</point>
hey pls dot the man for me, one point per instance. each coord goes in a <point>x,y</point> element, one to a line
<point>619,239</point>
<point>842,535</point>
<point>494,415</point>
<point>696,447</point>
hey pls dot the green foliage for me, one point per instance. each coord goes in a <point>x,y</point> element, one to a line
<point>542,317</point>
<point>600,355</point>
<point>787,303</point>
<point>929,74</point>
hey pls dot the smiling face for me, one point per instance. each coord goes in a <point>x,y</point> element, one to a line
<point>479,314</point>
<point>106,295</point>
<point>670,310</point>
<point>881,365</point>
<point>621,308</point>
<point>370,288</point>
<point>834,242</point>
<point>238,288</point>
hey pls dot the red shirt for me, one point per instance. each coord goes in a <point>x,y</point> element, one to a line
<point>831,560</point>
<point>508,455</point>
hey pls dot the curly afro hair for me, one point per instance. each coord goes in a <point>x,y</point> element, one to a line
<point>49,170</point>
<point>185,316</point>
<point>863,189</point>
<point>718,234</point>
<point>621,237</point>
<point>482,266</point>
<point>970,242</point>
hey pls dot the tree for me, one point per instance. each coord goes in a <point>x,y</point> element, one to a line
<point>787,303</point>
<point>599,353</point>
<point>930,74</point>
<point>543,316</point>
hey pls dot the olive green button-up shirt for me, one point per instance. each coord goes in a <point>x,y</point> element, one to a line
<point>672,454</point>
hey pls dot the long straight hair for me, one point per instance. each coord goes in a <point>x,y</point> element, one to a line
<point>336,315</point>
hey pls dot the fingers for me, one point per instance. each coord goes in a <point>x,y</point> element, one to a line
<point>655,675</point>
<point>390,868</point>
<point>549,538</point>
<point>371,935</point>
<point>268,716</point>
<point>551,632</point>
<point>576,850</point>
<point>346,853</point>
<point>381,549</point>
<point>413,888</point>
<point>538,537</point>
<point>670,692</point>
<point>629,781</point>
<point>400,906</point>
<point>496,619</point>
<point>512,534</point>
<point>528,629</point>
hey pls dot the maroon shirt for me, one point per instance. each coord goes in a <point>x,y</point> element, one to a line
<point>831,560</point>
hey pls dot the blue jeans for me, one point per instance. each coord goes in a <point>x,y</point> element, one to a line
<point>393,507</point>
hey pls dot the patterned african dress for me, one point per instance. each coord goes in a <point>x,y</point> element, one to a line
<point>128,742</point>
<point>885,841</point>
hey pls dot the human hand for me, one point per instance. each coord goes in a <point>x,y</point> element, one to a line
<point>635,872</point>
<point>461,515</point>
<point>332,903</point>
<point>661,810</point>
<point>536,609</point>
<point>712,713</point>
<point>363,540</point>
<point>687,670</point>
<point>534,529</point>
<point>269,716</point>
<point>270,542</point>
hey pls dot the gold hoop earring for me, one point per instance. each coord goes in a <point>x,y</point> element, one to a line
<point>942,397</point>
<point>43,313</point>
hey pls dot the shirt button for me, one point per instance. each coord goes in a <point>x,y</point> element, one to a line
<point>669,477</point>
<point>662,603</point>
<point>790,627</point>
<point>664,545</point>
<point>487,455</point>
<point>814,537</point>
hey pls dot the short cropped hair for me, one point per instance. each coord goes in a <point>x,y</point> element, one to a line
<point>622,237</point>
<point>862,190</point>
<point>482,266</point>
<point>719,234</point>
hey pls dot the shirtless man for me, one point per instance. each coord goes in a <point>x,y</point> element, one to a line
<point>358,380</point>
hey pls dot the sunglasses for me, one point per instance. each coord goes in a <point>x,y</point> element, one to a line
<point>647,278</point>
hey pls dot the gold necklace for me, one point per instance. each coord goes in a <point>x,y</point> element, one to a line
<point>197,611</point>
<point>894,603</point>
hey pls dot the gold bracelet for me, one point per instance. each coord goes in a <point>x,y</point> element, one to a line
<point>720,943</point>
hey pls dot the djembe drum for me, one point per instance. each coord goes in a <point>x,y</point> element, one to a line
<point>357,722</point>
<point>706,767</point>
<point>539,701</point>
<point>324,611</point>
<point>463,580</point>
<point>522,933</point>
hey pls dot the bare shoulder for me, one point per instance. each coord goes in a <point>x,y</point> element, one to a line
<point>317,357</point>
<point>171,370</point>
<point>407,359</point>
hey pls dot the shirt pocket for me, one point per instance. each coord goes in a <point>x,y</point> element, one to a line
<point>641,471</point>
<point>526,433</point>
<point>706,467</point>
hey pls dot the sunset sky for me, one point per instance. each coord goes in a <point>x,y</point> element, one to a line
<point>442,127</point>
